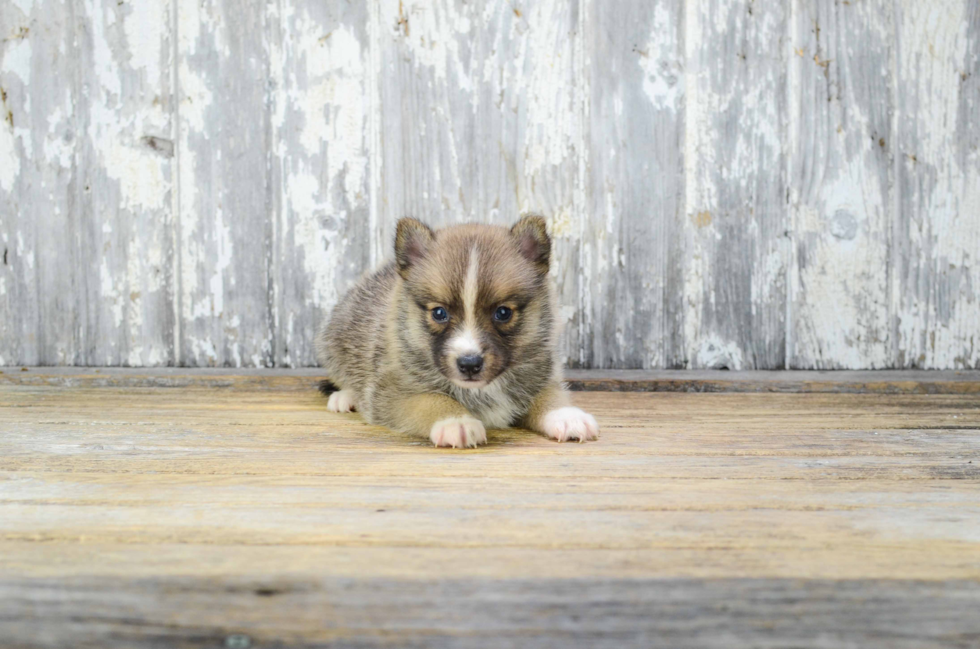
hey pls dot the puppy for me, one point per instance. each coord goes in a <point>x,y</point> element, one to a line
<point>455,336</point>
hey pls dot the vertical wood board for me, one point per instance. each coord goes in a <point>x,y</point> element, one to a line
<point>936,235</point>
<point>225,207</point>
<point>121,265</point>
<point>321,166</point>
<point>840,184</point>
<point>636,147</point>
<point>735,243</point>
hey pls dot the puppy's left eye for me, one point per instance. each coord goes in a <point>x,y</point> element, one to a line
<point>503,314</point>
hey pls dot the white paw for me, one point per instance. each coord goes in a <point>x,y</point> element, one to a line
<point>342,401</point>
<point>568,423</point>
<point>458,432</point>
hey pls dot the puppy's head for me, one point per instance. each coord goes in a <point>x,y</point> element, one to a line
<point>477,295</point>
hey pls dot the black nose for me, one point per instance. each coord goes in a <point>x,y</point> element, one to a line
<point>470,365</point>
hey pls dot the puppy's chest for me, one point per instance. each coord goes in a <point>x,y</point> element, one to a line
<point>494,408</point>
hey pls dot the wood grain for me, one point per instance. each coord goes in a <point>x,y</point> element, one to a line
<point>636,136</point>
<point>322,164</point>
<point>840,183</point>
<point>936,232</point>
<point>853,382</point>
<point>225,198</point>
<point>151,516</point>
<point>125,178</point>
<point>39,317</point>
<point>304,612</point>
<point>735,249</point>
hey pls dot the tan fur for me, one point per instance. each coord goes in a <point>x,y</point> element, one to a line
<point>385,346</point>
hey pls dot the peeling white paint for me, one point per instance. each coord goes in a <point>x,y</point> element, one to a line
<point>431,36</point>
<point>145,25</point>
<point>196,99</point>
<point>58,149</point>
<point>25,7</point>
<point>319,243</point>
<point>106,69</point>
<point>15,64</point>
<point>662,69</point>
<point>224,249</point>
<point>140,173</point>
<point>110,294</point>
<point>24,253</point>
<point>553,126</point>
<point>17,54</point>
<point>9,158</point>
<point>715,353</point>
<point>937,321</point>
<point>325,163</point>
<point>195,18</point>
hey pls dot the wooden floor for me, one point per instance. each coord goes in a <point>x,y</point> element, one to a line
<point>234,510</point>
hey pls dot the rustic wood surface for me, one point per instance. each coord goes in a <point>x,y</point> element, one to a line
<point>741,184</point>
<point>798,381</point>
<point>193,516</point>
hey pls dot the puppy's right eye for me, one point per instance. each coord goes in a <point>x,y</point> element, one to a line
<point>439,314</point>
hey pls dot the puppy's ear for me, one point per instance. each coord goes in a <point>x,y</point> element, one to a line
<point>412,241</point>
<point>533,241</point>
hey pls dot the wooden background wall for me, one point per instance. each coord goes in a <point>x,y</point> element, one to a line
<point>747,184</point>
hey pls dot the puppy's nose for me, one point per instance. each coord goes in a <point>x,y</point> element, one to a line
<point>470,365</point>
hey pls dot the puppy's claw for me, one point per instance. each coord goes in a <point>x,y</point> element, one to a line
<point>458,432</point>
<point>570,423</point>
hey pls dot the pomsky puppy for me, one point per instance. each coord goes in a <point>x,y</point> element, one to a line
<point>455,336</point>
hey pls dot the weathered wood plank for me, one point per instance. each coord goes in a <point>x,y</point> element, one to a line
<point>226,202</point>
<point>735,248</point>
<point>122,271</point>
<point>322,162</point>
<point>842,92</point>
<point>39,318</point>
<point>264,432</point>
<point>636,120</point>
<point>692,485</point>
<point>479,111</point>
<point>481,120</point>
<point>853,382</point>
<point>935,274</point>
<point>304,611</point>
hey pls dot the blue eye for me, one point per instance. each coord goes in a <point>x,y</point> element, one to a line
<point>503,314</point>
<point>439,314</point>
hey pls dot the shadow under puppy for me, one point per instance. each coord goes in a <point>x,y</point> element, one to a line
<point>455,336</point>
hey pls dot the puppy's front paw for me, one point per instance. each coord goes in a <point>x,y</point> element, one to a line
<point>458,432</point>
<point>342,401</point>
<point>568,423</point>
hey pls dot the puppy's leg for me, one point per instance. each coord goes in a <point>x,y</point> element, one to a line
<point>441,418</point>
<point>550,414</point>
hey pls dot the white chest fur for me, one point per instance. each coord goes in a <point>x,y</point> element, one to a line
<point>489,404</point>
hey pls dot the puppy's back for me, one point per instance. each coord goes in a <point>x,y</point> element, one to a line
<point>351,342</point>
